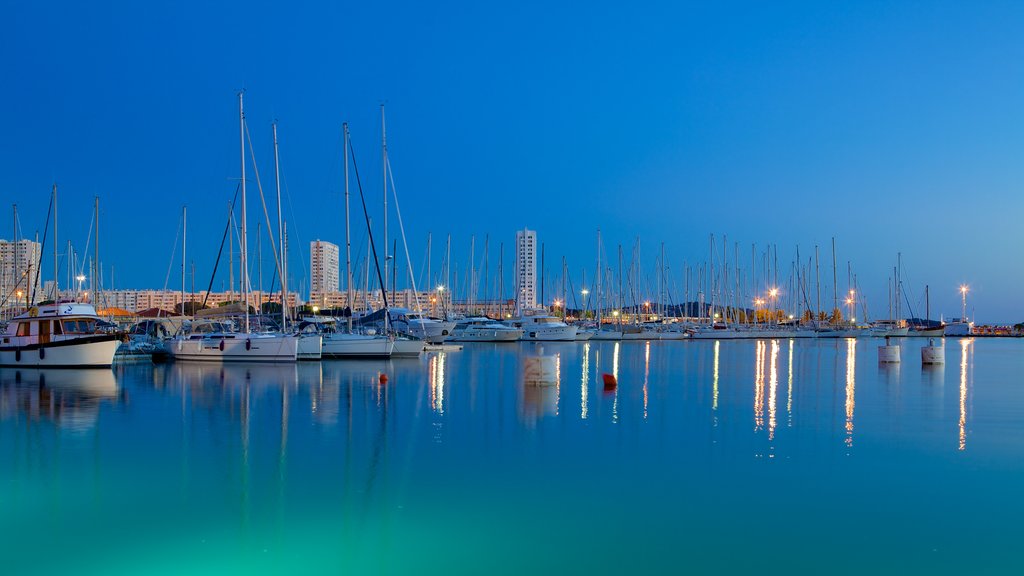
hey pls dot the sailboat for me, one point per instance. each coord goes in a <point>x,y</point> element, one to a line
<point>220,340</point>
<point>338,343</point>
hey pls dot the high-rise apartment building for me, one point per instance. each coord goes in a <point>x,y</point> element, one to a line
<point>526,269</point>
<point>323,267</point>
<point>19,263</point>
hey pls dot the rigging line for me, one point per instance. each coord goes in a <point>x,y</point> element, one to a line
<point>373,245</point>
<point>46,229</point>
<point>88,242</point>
<point>291,209</point>
<point>174,251</point>
<point>263,202</point>
<point>401,227</point>
<point>223,239</point>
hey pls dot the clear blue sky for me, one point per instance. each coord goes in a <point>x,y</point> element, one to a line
<point>893,126</point>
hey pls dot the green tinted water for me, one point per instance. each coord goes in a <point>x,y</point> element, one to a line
<point>729,457</point>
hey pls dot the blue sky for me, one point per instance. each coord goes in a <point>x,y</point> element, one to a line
<point>891,126</point>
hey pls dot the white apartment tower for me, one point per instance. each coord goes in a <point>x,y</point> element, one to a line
<point>18,271</point>
<point>526,269</point>
<point>323,267</point>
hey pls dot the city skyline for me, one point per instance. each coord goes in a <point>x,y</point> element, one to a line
<point>892,129</point>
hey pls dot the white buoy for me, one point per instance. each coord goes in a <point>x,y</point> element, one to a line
<point>888,354</point>
<point>540,370</point>
<point>932,354</point>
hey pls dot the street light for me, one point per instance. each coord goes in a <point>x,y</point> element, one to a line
<point>80,278</point>
<point>963,305</point>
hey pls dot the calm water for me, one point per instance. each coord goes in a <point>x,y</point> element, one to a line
<point>739,456</point>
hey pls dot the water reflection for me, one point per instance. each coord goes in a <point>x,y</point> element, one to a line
<point>69,398</point>
<point>647,372</point>
<point>851,386</point>
<point>615,392</point>
<point>584,380</point>
<point>773,381</point>
<point>759,348</point>
<point>966,347</point>
<point>437,367</point>
<point>714,380</point>
<point>789,393</point>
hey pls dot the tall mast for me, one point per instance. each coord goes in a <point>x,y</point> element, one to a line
<point>600,273</point>
<point>244,239</point>
<point>96,253</point>
<point>184,229</point>
<point>280,232</point>
<point>17,279</point>
<point>835,292</point>
<point>56,271</point>
<point>620,289</point>
<point>348,239</point>
<point>384,181</point>
<point>817,286</point>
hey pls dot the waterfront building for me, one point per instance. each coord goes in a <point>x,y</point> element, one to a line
<point>19,263</point>
<point>526,269</point>
<point>323,267</point>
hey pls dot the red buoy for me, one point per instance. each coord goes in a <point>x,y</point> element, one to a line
<point>383,378</point>
<point>609,381</point>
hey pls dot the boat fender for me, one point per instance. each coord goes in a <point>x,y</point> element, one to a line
<point>17,355</point>
<point>383,378</point>
<point>221,345</point>
<point>42,353</point>
<point>610,382</point>
<point>248,344</point>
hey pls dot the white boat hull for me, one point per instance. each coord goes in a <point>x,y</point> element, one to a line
<point>486,335</point>
<point>236,348</point>
<point>607,335</point>
<point>308,347</point>
<point>80,352</point>
<point>407,348</point>
<point>550,334</point>
<point>356,346</point>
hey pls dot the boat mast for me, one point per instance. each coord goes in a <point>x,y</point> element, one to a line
<point>817,286</point>
<point>184,230</point>
<point>280,232</point>
<point>56,271</point>
<point>835,293</point>
<point>96,252</point>
<point>348,239</point>
<point>600,303</point>
<point>384,180</point>
<point>17,279</point>
<point>243,241</point>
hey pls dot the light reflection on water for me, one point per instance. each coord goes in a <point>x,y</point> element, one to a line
<point>320,462</point>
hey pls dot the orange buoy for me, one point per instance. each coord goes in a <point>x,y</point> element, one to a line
<point>609,381</point>
<point>383,378</point>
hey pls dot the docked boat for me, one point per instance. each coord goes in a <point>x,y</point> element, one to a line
<point>409,323</point>
<point>217,341</point>
<point>63,335</point>
<point>406,347</point>
<point>483,329</point>
<point>959,327</point>
<point>545,328</point>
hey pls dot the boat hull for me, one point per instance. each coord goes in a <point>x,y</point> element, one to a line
<point>236,348</point>
<point>485,335</point>
<point>309,347</point>
<point>356,346</point>
<point>82,352</point>
<point>552,334</point>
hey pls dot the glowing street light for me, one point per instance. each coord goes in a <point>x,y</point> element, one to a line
<point>80,278</point>
<point>963,305</point>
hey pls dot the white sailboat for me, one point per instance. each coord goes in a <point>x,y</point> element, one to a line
<point>218,341</point>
